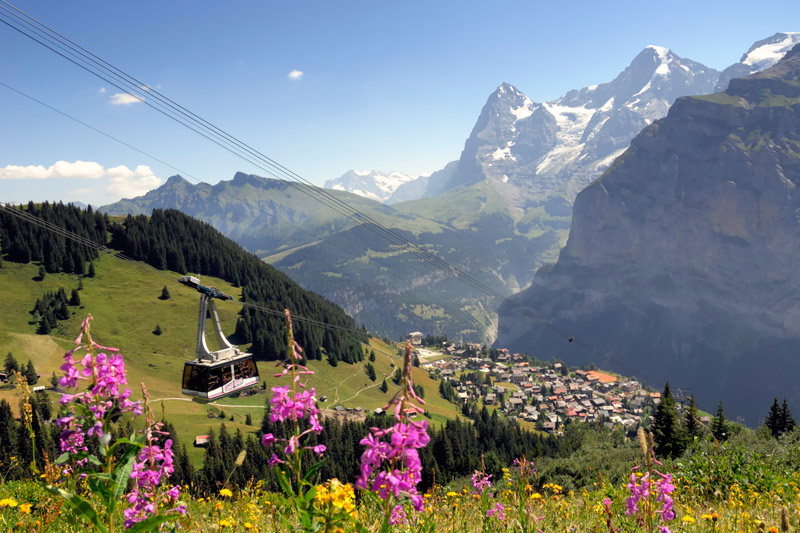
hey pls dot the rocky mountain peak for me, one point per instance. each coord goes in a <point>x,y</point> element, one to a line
<point>763,54</point>
<point>373,184</point>
<point>177,179</point>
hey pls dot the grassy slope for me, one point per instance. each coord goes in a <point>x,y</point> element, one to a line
<point>123,298</point>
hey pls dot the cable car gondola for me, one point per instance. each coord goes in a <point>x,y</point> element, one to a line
<point>214,375</point>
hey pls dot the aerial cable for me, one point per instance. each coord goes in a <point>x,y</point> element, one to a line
<point>326,199</point>
<point>182,172</point>
<point>329,200</point>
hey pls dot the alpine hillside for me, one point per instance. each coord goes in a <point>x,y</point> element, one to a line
<point>681,259</point>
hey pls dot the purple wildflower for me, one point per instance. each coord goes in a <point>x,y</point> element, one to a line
<point>400,453</point>
<point>498,511</point>
<point>637,491</point>
<point>665,487</point>
<point>398,517</point>
<point>481,481</point>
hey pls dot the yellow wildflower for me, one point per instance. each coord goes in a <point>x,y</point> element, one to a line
<point>224,523</point>
<point>8,502</point>
<point>452,494</point>
<point>225,492</point>
<point>248,525</point>
<point>687,519</point>
<point>25,508</point>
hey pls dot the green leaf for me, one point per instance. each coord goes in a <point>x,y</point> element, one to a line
<point>123,440</point>
<point>150,524</point>
<point>94,460</point>
<point>122,473</point>
<point>80,506</point>
<point>313,470</point>
<point>100,489</point>
<point>63,458</point>
<point>309,496</point>
<point>282,481</point>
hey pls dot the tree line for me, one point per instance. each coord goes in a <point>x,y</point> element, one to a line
<point>168,239</point>
<point>673,433</point>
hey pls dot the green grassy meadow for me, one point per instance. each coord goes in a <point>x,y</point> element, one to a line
<point>123,298</point>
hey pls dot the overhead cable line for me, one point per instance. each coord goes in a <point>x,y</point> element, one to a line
<point>182,172</point>
<point>52,40</point>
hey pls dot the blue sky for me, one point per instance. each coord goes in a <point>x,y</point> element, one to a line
<point>384,85</point>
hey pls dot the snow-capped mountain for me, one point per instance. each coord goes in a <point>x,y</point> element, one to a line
<point>531,151</point>
<point>763,54</point>
<point>372,184</point>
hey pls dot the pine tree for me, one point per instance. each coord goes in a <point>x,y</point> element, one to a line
<point>248,420</point>
<point>370,370</point>
<point>54,381</point>
<point>80,284</point>
<point>719,426</point>
<point>666,431</point>
<point>44,326</point>
<point>30,374</point>
<point>157,331</point>
<point>372,356</point>
<point>164,294</point>
<point>42,272</point>
<point>773,420</point>
<point>384,387</point>
<point>11,364</point>
<point>7,431</point>
<point>787,423</point>
<point>75,299</point>
<point>91,273</point>
<point>690,423</point>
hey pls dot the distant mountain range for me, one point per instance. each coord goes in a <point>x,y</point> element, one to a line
<point>531,151</point>
<point>370,184</point>
<point>498,212</point>
<point>681,262</point>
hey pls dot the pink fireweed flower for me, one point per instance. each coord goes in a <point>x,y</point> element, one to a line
<point>498,511</point>
<point>152,466</point>
<point>102,402</point>
<point>104,399</point>
<point>319,449</point>
<point>637,491</point>
<point>287,403</point>
<point>481,482</point>
<point>664,488</point>
<point>398,517</point>
<point>404,470</point>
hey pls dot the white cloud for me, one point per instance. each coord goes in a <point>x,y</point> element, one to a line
<point>61,169</point>
<point>120,181</point>
<point>102,90</point>
<point>124,99</point>
<point>126,183</point>
<point>295,74</point>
